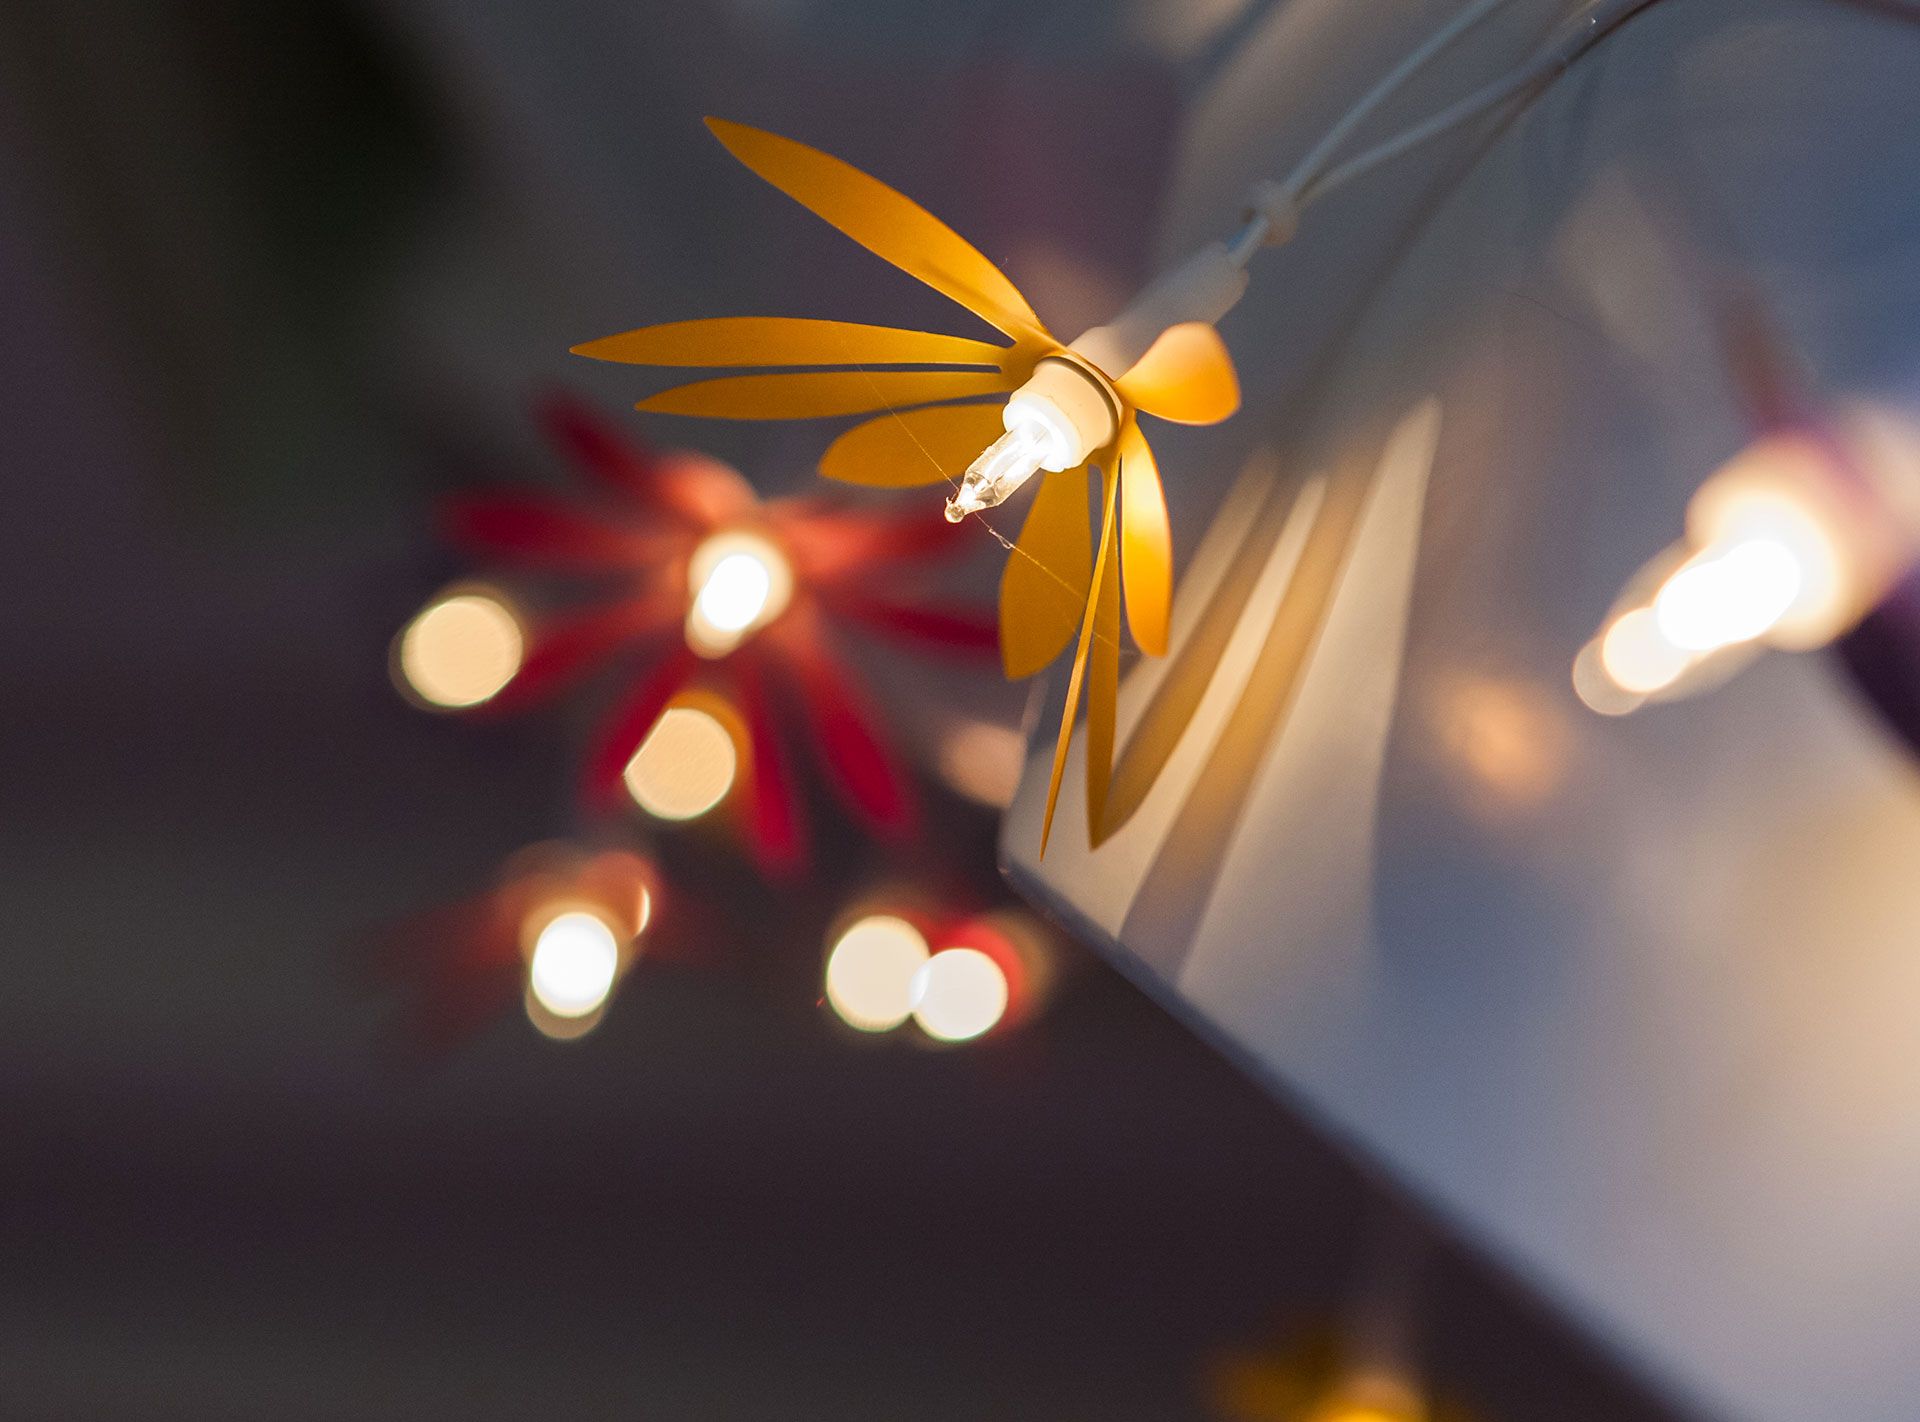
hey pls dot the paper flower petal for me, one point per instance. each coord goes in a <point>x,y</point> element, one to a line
<point>901,451</point>
<point>571,647</point>
<point>1186,376</point>
<point>686,486</point>
<point>886,223</point>
<point>1103,690</point>
<point>774,829</point>
<point>804,395</point>
<point>534,532</point>
<point>1043,588</point>
<point>858,763</point>
<point>964,630</point>
<point>787,340</point>
<point>1146,543</point>
<point>1089,628</point>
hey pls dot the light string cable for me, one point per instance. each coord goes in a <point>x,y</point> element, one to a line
<point>1275,207</point>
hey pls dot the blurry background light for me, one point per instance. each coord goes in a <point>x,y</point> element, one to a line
<point>872,972</point>
<point>1637,655</point>
<point>461,650</point>
<point>958,994</point>
<point>685,766</point>
<point>575,961</point>
<point>982,762</point>
<point>1726,596</point>
<point>740,582</point>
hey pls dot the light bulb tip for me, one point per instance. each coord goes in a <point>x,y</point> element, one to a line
<point>955,513</point>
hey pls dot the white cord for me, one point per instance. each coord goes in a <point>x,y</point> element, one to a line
<point>1275,203</point>
<point>1275,208</point>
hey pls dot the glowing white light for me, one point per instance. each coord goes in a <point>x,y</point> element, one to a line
<point>575,960</point>
<point>684,767</point>
<point>872,971</point>
<point>958,993</point>
<point>461,650</point>
<point>1637,656</point>
<point>1038,436</point>
<point>740,582</point>
<point>1718,600</point>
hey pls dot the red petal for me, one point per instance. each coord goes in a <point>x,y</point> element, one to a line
<point>773,816</point>
<point>859,763</point>
<point>968,630</point>
<point>829,543</point>
<point>543,533</point>
<point>569,648</point>
<point>620,737</point>
<point>690,487</point>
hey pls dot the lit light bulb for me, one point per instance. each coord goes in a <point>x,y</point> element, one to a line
<point>740,582</point>
<point>685,766</point>
<point>460,651</point>
<point>1727,596</point>
<point>575,961</point>
<point>958,994</point>
<point>1053,422</point>
<point>872,971</point>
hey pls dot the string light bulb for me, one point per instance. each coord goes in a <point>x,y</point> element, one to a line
<point>740,582</point>
<point>576,959</point>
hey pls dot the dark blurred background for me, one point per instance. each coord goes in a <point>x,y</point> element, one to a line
<point>271,277</point>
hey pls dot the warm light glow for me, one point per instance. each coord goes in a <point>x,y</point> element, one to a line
<point>1726,596</point>
<point>983,762</point>
<point>958,994</point>
<point>461,650</point>
<point>872,971</point>
<point>1738,509</point>
<point>740,582</point>
<point>684,767</point>
<point>575,960</point>
<point>1637,656</point>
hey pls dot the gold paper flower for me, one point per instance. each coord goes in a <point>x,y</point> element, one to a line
<point>933,421</point>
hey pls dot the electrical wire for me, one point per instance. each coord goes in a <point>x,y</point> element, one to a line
<point>1275,207</point>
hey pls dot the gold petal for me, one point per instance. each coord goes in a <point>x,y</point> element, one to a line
<point>1043,589</point>
<point>886,223</point>
<point>1103,691</point>
<point>1077,680</point>
<point>1186,376</point>
<point>924,446</point>
<point>801,395</point>
<point>1146,543</point>
<point>788,340</point>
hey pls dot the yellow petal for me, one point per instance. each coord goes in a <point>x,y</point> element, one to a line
<point>917,447</point>
<point>801,395</point>
<point>1078,679</point>
<point>1103,693</point>
<point>788,340</point>
<point>1146,543</point>
<point>1044,586</point>
<point>1186,376</point>
<point>886,223</point>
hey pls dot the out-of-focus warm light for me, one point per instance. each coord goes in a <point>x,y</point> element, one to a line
<point>1759,503</point>
<point>575,961</point>
<point>1505,737</point>
<point>461,650</point>
<point>1638,657</point>
<point>740,582</point>
<point>685,766</point>
<point>983,761</point>
<point>958,994</point>
<point>872,972</point>
<point>1726,596</point>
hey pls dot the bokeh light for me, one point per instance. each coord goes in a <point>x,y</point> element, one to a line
<point>575,961</point>
<point>1637,655</point>
<point>460,650</point>
<point>982,762</point>
<point>740,582</point>
<point>872,972</point>
<point>958,994</point>
<point>685,766</point>
<point>1728,596</point>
